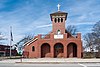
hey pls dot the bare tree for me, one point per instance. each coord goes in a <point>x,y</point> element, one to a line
<point>88,38</point>
<point>20,43</point>
<point>71,29</point>
<point>93,39</point>
<point>2,38</point>
<point>96,35</point>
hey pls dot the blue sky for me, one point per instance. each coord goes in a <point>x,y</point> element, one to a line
<point>33,16</point>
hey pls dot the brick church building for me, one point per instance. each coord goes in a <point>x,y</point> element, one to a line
<point>56,44</point>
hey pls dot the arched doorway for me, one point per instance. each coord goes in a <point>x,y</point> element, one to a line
<point>72,50</point>
<point>45,49</point>
<point>58,49</point>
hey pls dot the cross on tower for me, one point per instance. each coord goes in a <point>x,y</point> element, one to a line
<point>58,7</point>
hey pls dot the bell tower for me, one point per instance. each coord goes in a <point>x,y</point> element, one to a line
<point>58,21</point>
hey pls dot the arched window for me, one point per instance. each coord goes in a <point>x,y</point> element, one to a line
<point>55,20</point>
<point>58,20</point>
<point>33,49</point>
<point>61,19</point>
<point>58,32</point>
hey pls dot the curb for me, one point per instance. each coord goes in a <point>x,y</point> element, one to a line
<point>53,62</point>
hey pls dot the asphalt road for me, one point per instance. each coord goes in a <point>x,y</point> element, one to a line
<point>51,65</point>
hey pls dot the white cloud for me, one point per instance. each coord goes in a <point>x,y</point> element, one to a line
<point>30,18</point>
<point>42,26</point>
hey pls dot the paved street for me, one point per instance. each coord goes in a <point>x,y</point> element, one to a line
<point>50,62</point>
<point>51,65</point>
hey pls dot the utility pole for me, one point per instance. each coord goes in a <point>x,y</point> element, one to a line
<point>11,39</point>
<point>10,47</point>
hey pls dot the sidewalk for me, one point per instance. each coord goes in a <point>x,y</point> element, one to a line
<point>51,60</point>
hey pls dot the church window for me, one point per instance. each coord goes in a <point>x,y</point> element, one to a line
<point>58,32</point>
<point>33,49</point>
<point>61,19</point>
<point>58,20</point>
<point>55,20</point>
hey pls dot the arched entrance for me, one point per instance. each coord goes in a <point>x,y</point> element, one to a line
<point>72,50</point>
<point>45,49</point>
<point>58,49</point>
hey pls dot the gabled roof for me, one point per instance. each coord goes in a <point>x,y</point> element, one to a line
<point>30,41</point>
<point>58,13</point>
<point>33,40</point>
